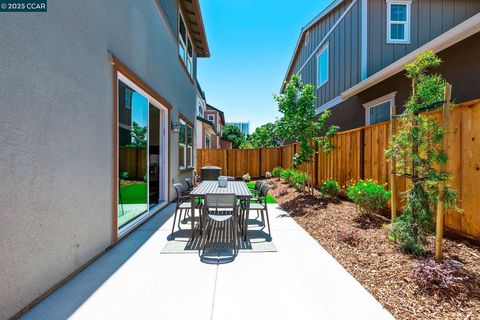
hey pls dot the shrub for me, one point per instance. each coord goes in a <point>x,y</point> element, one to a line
<point>298,179</point>
<point>277,172</point>
<point>286,174</point>
<point>124,175</point>
<point>330,188</point>
<point>268,174</point>
<point>431,275</point>
<point>369,196</point>
<point>246,177</point>
<point>351,237</point>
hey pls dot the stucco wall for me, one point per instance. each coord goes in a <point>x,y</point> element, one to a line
<point>56,156</point>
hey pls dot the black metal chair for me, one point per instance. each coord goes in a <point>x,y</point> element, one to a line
<point>182,203</point>
<point>260,206</point>
<point>219,209</point>
<point>189,184</point>
<point>256,188</point>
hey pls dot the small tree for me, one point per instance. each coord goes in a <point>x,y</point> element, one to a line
<point>301,122</point>
<point>416,149</point>
<point>265,136</point>
<point>233,134</point>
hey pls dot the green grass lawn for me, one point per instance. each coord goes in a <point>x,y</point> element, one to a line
<point>134,193</point>
<point>270,199</point>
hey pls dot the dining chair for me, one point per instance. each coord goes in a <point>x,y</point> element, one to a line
<point>256,188</point>
<point>220,208</point>
<point>182,203</point>
<point>260,206</point>
<point>189,183</point>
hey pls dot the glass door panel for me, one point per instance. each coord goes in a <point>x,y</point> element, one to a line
<point>132,154</point>
<point>154,155</point>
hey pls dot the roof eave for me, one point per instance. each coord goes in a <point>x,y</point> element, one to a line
<point>193,18</point>
<point>456,34</point>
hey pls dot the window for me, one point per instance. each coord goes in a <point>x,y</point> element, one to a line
<point>398,22</point>
<point>207,142</point>
<point>379,110</point>
<point>185,145</point>
<point>185,48</point>
<point>322,67</point>
<point>211,117</point>
<point>307,37</point>
<point>200,110</point>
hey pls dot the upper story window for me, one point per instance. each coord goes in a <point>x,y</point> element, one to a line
<point>398,21</point>
<point>185,145</point>
<point>185,49</point>
<point>211,117</point>
<point>379,110</point>
<point>200,110</point>
<point>322,66</point>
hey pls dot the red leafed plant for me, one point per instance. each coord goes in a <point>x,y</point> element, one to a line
<point>431,275</point>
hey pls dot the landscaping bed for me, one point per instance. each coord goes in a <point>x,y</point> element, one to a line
<point>361,244</point>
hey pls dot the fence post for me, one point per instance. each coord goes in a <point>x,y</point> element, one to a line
<point>443,168</point>
<point>392,164</point>
<point>362,154</point>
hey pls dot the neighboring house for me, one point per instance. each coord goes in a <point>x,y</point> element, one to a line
<point>354,53</point>
<point>98,102</point>
<point>243,126</point>
<point>210,122</point>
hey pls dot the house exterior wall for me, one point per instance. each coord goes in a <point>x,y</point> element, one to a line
<point>344,52</point>
<point>460,67</point>
<point>429,19</point>
<point>56,115</point>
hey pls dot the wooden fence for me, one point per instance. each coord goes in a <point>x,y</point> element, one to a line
<point>359,154</point>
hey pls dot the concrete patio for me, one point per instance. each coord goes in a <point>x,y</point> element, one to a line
<point>134,281</point>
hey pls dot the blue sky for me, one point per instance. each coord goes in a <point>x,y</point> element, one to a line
<point>251,43</point>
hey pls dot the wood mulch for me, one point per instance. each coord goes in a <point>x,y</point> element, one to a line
<point>362,246</point>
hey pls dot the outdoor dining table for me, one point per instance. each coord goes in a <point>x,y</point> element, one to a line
<point>239,188</point>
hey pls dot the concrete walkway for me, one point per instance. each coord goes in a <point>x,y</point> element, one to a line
<point>134,281</point>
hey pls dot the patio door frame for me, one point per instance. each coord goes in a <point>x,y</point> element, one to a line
<point>122,73</point>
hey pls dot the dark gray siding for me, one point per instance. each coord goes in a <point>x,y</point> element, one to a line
<point>170,9</point>
<point>344,52</point>
<point>429,19</point>
<point>460,67</point>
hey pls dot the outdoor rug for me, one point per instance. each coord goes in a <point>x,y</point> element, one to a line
<point>220,240</point>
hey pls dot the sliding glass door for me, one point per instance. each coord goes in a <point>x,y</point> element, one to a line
<point>141,154</point>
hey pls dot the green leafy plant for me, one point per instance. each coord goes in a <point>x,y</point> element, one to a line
<point>369,196</point>
<point>124,175</point>
<point>277,172</point>
<point>286,174</point>
<point>330,188</point>
<point>299,179</point>
<point>416,150</point>
<point>300,121</point>
<point>265,136</point>
<point>246,177</point>
<point>233,134</point>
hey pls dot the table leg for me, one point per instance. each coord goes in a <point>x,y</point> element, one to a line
<point>247,212</point>
<point>192,218</point>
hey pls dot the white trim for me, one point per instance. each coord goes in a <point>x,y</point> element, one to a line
<point>364,39</point>
<point>386,98</point>
<point>304,29</point>
<point>187,60</point>
<point>406,23</point>
<point>449,38</point>
<point>213,116</point>
<point>320,45</point>
<point>317,73</point>
<point>164,160</point>
<point>307,38</point>
<point>330,104</point>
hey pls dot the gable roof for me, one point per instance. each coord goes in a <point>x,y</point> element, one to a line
<point>303,31</point>
<point>222,115</point>
<point>193,16</point>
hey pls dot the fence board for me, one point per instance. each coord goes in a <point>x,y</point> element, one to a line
<point>351,156</point>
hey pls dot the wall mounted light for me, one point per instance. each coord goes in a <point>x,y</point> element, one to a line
<point>175,127</point>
